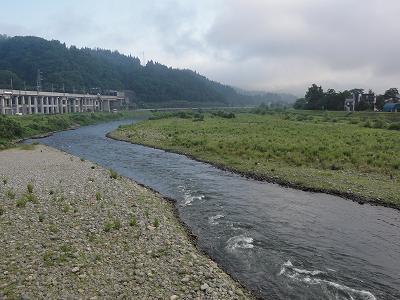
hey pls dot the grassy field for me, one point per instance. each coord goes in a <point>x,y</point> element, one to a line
<point>351,154</point>
<point>17,127</point>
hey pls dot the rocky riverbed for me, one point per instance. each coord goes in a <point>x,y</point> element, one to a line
<point>70,229</point>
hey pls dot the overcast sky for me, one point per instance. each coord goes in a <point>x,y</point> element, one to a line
<point>272,45</point>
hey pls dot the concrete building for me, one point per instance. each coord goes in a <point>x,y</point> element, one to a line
<point>32,102</point>
<point>358,99</point>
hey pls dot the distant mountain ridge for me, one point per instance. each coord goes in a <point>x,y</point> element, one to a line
<point>80,70</point>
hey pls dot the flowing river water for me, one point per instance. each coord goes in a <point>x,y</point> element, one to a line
<point>280,242</point>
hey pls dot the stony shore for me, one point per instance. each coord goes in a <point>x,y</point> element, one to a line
<point>70,229</point>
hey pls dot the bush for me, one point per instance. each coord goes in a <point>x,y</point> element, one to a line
<point>394,126</point>
<point>9,128</point>
<point>223,114</point>
<point>368,124</point>
<point>198,118</point>
<point>378,124</point>
<point>30,188</point>
<point>113,174</point>
<point>114,224</point>
<point>11,194</point>
<point>133,221</point>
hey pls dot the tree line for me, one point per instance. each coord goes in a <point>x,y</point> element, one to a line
<point>83,70</point>
<point>318,99</point>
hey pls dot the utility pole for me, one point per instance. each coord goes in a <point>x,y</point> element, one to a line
<point>39,81</point>
<point>11,83</point>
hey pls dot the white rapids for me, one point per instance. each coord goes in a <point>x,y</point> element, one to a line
<point>311,278</point>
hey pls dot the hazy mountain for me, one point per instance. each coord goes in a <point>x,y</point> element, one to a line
<point>82,70</point>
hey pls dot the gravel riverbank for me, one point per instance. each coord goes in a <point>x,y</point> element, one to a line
<point>69,230</point>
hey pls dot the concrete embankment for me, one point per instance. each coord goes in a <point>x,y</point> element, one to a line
<point>71,229</point>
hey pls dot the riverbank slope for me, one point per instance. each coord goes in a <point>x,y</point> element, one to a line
<point>15,128</point>
<point>336,155</point>
<point>71,229</point>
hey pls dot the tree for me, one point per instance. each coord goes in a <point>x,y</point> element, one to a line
<point>380,102</point>
<point>6,77</point>
<point>334,100</point>
<point>314,96</point>
<point>82,69</point>
<point>300,104</point>
<point>391,93</point>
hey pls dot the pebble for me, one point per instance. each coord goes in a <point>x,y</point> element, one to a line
<point>185,279</point>
<point>132,262</point>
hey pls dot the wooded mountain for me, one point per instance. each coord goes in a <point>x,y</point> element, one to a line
<point>80,70</point>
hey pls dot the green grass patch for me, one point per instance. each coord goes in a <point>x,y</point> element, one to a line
<point>114,224</point>
<point>21,202</point>
<point>333,151</point>
<point>113,174</point>
<point>11,194</point>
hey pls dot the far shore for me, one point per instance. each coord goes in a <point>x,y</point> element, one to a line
<point>199,140</point>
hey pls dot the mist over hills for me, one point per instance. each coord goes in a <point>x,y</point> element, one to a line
<point>81,70</point>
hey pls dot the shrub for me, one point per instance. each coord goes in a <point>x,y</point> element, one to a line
<point>133,221</point>
<point>113,174</point>
<point>117,224</point>
<point>223,114</point>
<point>394,126</point>
<point>2,210</point>
<point>22,202</point>
<point>378,124</point>
<point>98,196</point>
<point>156,223</point>
<point>109,226</point>
<point>113,224</point>
<point>30,188</point>
<point>11,194</point>
<point>32,198</point>
<point>367,124</point>
<point>9,128</point>
<point>198,118</point>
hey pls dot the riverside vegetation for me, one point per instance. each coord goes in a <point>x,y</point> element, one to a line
<point>351,154</point>
<point>13,128</point>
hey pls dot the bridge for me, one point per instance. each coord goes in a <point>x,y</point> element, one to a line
<point>32,102</point>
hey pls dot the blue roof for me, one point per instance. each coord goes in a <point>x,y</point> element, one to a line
<point>389,107</point>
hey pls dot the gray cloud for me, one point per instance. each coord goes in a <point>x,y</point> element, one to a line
<point>282,45</point>
<point>341,42</point>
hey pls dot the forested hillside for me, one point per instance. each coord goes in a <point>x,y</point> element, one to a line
<point>80,70</point>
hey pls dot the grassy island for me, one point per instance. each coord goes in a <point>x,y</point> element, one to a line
<point>355,155</point>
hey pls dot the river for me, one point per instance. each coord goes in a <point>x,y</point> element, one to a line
<point>280,242</point>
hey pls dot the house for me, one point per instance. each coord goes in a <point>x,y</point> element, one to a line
<point>350,104</point>
<point>391,107</point>
<point>358,100</point>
